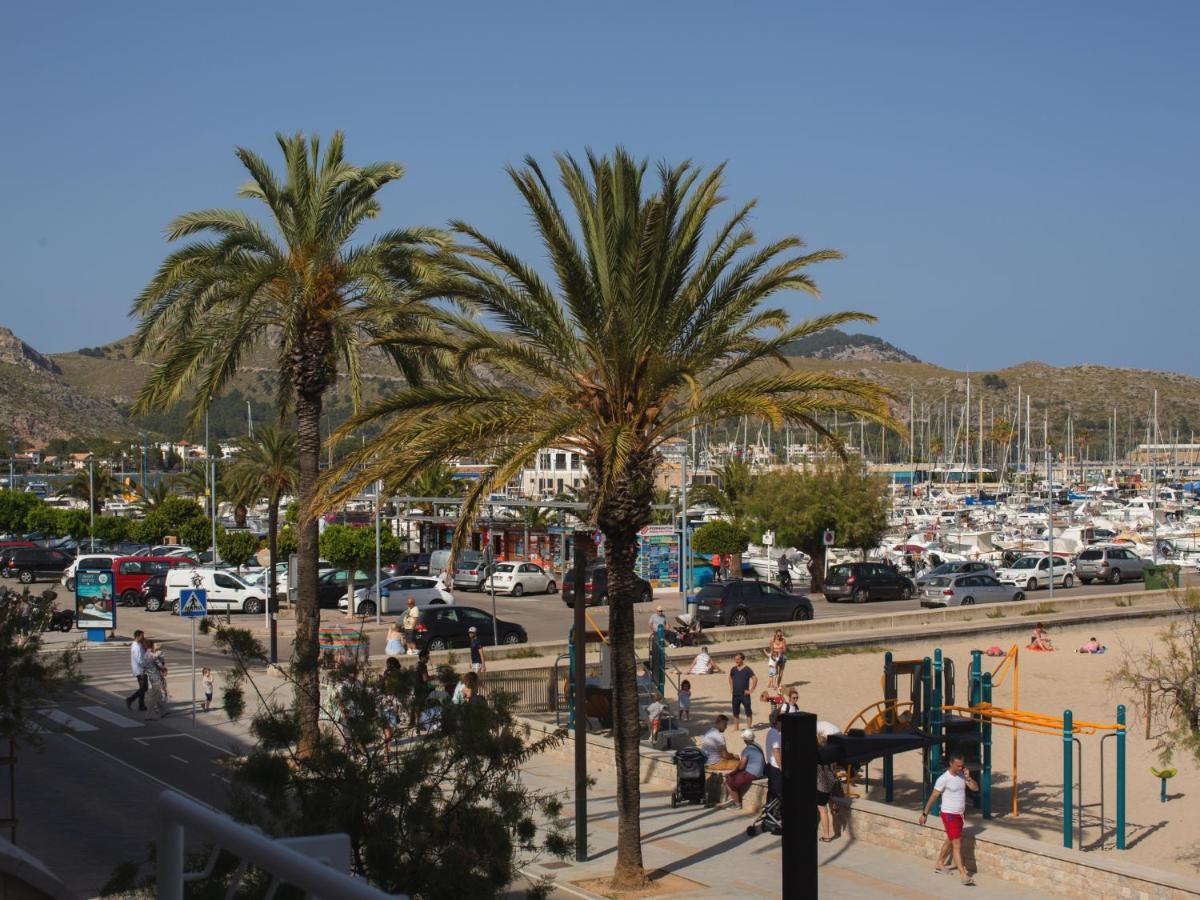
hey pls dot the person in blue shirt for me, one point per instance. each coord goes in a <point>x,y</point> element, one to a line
<point>751,765</point>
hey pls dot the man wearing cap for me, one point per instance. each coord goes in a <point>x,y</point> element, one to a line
<point>409,622</point>
<point>659,618</point>
<point>478,663</point>
<point>752,765</point>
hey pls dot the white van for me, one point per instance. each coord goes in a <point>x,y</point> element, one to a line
<point>87,561</point>
<point>225,590</point>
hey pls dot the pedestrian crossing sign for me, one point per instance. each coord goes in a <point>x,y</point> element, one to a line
<point>193,603</point>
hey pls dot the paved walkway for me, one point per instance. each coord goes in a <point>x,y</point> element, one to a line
<point>710,847</point>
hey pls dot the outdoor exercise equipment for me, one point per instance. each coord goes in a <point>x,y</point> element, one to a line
<point>1162,775</point>
<point>932,711</point>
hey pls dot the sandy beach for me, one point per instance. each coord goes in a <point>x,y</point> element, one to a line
<point>1164,835</point>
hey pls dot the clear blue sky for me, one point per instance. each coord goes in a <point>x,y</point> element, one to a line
<point>1009,181</point>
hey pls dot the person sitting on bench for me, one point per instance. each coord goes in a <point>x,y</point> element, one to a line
<point>751,766</point>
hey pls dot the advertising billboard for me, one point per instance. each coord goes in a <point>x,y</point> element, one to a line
<point>94,599</point>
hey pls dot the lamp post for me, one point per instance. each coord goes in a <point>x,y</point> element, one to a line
<point>92,503</point>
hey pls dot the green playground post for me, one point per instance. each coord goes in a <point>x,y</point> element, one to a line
<point>985,741</point>
<point>659,662</point>
<point>1069,778</point>
<point>974,691</point>
<point>935,723</point>
<point>889,699</point>
<point>1121,777</point>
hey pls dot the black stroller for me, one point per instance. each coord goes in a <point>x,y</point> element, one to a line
<point>770,817</point>
<point>689,776</point>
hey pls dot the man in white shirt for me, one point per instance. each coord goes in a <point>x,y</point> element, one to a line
<point>137,662</point>
<point>713,742</point>
<point>772,750</point>
<point>951,788</point>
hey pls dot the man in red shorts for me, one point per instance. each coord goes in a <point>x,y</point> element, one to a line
<point>951,787</point>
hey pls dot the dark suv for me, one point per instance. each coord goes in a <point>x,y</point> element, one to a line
<point>865,581</point>
<point>443,627</point>
<point>595,587</point>
<point>409,564</point>
<point>746,602</point>
<point>29,564</point>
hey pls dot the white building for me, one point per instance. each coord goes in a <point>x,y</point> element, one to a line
<point>555,471</point>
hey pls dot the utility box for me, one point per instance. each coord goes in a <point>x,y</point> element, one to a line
<point>1159,578</point>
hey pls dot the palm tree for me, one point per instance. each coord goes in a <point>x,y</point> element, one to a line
<point>267,466</point>
<point>94,487</point>
<point>644,331</point>
<point>300,289</point>
<point>152,497</point>
<point>730,495</point>
<point>194,481</point>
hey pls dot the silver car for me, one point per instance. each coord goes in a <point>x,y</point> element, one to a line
<point>967,590</point>
<point>1111,564</point>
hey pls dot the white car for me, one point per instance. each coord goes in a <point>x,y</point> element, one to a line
<point>224,590</point>
<point>87,561</point>
<point>281,575</point>
<point>1033,572</point>
<point>968,589</point>
<point>519,578</point>
<point>396,591</point>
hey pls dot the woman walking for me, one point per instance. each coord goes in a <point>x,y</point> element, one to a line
<point>156,677</point>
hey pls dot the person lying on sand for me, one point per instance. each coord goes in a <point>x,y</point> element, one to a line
<point>1092,646</point>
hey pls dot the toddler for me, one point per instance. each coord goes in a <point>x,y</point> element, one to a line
<point>206,679</point>
<point>685,700</point>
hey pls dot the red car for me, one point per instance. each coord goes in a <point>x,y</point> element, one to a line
<point>131,572</point>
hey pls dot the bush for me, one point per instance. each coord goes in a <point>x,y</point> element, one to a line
<point>720,537</point>
<point>235,547</point>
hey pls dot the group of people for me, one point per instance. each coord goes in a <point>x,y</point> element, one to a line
<point>149,666</point>
<point>402,635</point>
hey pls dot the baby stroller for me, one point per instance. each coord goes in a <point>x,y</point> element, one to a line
<point>770,817</point>
<point>685,632</point>
<point>689,776</point>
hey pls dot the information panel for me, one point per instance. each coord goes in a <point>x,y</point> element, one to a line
<point>94,599</point>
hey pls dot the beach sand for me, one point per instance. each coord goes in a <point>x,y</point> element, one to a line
<point>1163,835</point>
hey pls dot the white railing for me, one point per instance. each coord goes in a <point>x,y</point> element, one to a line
<point>318,865</point>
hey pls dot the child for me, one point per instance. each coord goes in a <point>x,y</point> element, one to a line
<point>685,700</point>
<point>206,679</point>
<point>656,713</point>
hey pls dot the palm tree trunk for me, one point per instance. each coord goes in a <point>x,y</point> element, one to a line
<point>273,554</point>
<point>308,614</point>
<point>620,551</point>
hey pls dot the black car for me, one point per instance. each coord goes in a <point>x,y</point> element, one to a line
<point>865,581</point>
<point>29,564</point>
<point>750,602</point>
<point>443,627</point>
<point>154,593</point>
<point>332,586</point>
<point>595,587</point>
<point>409,564</point>
<point>966,567</point>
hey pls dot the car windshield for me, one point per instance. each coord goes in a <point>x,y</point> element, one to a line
<point>839,572</point>
<point>711,590</point>
<point>943,569</point>
<point>1091,554</point>
<point>1026,562</point>
<point>939,581</point>
<point>505,567</point>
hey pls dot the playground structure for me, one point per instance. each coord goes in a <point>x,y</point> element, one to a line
<point>930,709</point>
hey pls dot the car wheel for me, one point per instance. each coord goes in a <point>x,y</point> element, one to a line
<point>968,601</point>
<point>551,587</point>
<point>437,643</point>
<point>602,600</point>
<point>511,638</point>
<point>1085,580</point>
<point>366,608</point>
<point>1114,576</point>
<point>25,576</point>
<point>1018,597</point>
<point>860,596</point>
<point>174,607</point>
<point>71,584</point>
<point>1068,581</point>
<point>129,598</point>
<point>802,614</point>
<point>739,618</point>
<point>153,604</point>
<point>906,593</point>
<point>1031,584</point>
<point>253,606</point>
<point>518,589</point>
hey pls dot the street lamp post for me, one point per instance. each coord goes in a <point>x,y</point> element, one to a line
<point>92,503</point>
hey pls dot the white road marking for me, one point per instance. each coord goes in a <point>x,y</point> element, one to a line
<point>108,715</point>
<point>130,766</point>
<point>179,758</point>
<point>69,722</point>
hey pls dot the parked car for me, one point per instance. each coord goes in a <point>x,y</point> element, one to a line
<point>1111,564</point>
<point>741,602</point>
<point>519,578</point>
<point>863,581</point>
<point>443,627</point>
<point>131,572</point>
<point>30,564</point>
<point>332,586</point>
<point>1033,572</point>
<point>595,587</point>
<point>154,592</point>
<point>224,589</point>
<point>88,562</point>
<point>471,574</point>
<point>410,564</point>
<point>957,589</point>
<point>281,575</point>
<point>396,591</point>
<point>954,568</point>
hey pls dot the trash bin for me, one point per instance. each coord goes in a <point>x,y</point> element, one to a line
<point>692,603</point>
<point>1159,578</point>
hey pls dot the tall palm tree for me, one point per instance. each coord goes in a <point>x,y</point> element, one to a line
<point>299,288</point>
<point>645,329</point>
<point>152,497</point>
<point>94,487</point>
<point>267,466</point>
<point>737,479</point>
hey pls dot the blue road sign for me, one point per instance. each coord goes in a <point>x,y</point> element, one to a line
<point>193,603</point>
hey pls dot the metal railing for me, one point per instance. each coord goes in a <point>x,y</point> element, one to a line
<point>311,864</point>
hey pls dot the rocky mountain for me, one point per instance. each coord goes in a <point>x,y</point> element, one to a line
<point>837,344</point>
<point>15,352</point>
